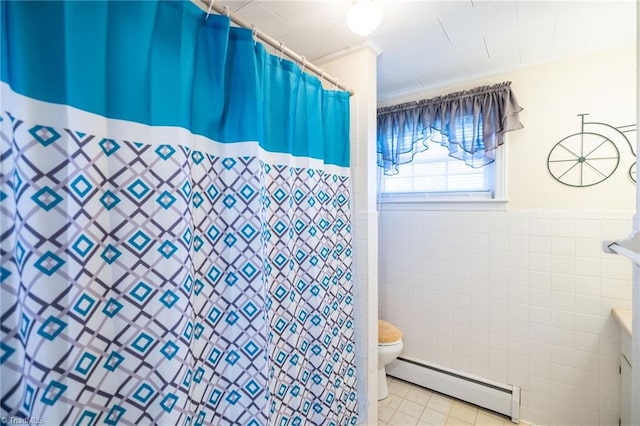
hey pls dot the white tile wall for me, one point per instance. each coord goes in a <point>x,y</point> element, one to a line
<point>521,297</point>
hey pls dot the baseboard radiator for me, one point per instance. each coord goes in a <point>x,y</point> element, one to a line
<point>494,396</point>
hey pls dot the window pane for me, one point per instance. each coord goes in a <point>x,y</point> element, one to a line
<point>430,169</point>
<point>398,184</point>
<point>434,171</point>
<point>430,184</point>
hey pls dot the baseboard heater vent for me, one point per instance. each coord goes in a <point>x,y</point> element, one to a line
<point>494,396</point>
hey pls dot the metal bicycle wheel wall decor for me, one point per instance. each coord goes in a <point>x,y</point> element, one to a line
<point>588,158</point>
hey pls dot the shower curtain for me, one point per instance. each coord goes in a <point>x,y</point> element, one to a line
<point>175,223</point>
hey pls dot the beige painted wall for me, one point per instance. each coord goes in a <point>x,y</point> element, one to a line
<point>601,84</point>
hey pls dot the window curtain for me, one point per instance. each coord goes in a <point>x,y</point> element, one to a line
<point>175,223</point>
<point>470,123</point>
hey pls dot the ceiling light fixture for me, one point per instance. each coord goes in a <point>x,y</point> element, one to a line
<point>364,16</point>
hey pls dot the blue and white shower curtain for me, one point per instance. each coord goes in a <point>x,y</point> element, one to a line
<point>175,221</point>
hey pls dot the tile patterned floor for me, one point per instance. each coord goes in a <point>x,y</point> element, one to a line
<point>411,405</point>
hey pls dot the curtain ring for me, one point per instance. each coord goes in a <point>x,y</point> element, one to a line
<point>281,50</point>
<point>226,10</point>
<point>209,11</point>
<point>304,62</point>
<point>254,33</point>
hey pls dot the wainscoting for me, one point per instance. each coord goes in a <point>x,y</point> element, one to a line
<point>521,297</point>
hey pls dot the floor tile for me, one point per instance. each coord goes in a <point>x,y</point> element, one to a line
<point>385,413</point>
<point>392,401</point>
<point>399,388</point>
<point>489,419</point>
<point>412,405</point>
<point>440,403</point>
<point>464,412</point>
<point>452,421</point>
<point>432,417</point>
<point>402,419</point>
<point>411,408</point>
<point>418,395</point>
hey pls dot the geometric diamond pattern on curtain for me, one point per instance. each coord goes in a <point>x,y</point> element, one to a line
<point>157,284</point>
<point>310,302</point>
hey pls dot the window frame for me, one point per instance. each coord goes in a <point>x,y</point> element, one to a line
<point>471,200</point>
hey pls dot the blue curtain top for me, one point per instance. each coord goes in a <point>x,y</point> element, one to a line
<point>163,64</point>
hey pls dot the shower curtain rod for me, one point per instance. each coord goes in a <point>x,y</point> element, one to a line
<point>278,45</point>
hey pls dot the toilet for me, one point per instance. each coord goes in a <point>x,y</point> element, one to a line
<point>389,347</point>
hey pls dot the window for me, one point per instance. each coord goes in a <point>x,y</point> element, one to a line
<point>446,149</point>
<point>433,174</point>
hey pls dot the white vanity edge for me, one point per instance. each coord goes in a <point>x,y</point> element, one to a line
<point>623,316</point>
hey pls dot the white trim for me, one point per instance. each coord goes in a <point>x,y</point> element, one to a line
<point>500,172</point>
<point>367,44</point>
<point>456,205</point>
<point>444,196</point>
<point>57,115</point>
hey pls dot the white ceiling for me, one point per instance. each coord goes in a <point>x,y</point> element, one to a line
<point>426,44</point>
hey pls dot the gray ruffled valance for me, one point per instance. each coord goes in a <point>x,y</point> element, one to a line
<point>470,123</point>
